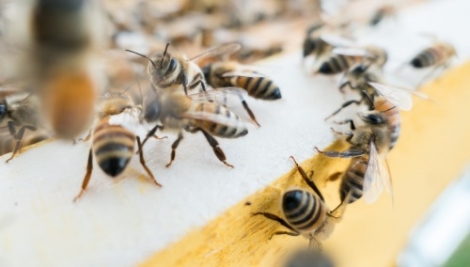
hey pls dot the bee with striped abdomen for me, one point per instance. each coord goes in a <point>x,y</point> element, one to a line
<point>60,39</point>
<point>367,174</point>
<point>113,140</point>
<point>341,59</point>
<point>306,213</point>
<point>169,71</point>
<point>436,56</point>
<point>193,113</point>
<point>233,74</point>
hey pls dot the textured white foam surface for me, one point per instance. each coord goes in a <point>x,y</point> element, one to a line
<point>120,223</point>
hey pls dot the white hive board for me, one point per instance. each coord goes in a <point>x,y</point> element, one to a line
<point>123,222</point>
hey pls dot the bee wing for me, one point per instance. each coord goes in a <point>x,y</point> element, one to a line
<point>226,96</point>
<point>212,117</point>
<point>218,50</point>
<point>352,51</point>
<point>336,40</point>
<point>128,119</point>
<point>376,177</point>
<point>398,97</point>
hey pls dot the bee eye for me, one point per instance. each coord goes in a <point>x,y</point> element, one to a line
<point>360,69</point>
<point>3,111</point>
<point>375,119</point>
<point>172,65</point>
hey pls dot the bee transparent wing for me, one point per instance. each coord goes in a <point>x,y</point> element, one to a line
<point>220,119</point>
<point>352,51</point>
<point>128,119</point>
<point>398,97</point>
<point>226,96</point>
<point>376,177</point>
<point>218,50</point>
<point>336,40</point>
<point>243,74</point>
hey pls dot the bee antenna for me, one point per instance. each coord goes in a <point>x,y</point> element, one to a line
<point>164,53</point>
<point>151,61</point>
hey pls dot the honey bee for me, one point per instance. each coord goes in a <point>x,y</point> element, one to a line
<point>341,60</point>
<point>169,71</point>
<point>113,140</point>
<point>306,213</point>
<point>59,39</point>
<point>193,113</point>
<point>18,116</point>
<point>381,13</point>
<point>436,56</point>
<point>367,174</point>
<point>233,74</point>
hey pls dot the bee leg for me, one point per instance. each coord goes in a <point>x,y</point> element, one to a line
<point>18,136</point>
<point>89,169</point>
<point>345,104</point>
<point>151,133</point>
<point>142,161</point>
<point>84,139</point>
<point>275,218</point>
<point>313,243</point>
<point>173,148</point>
<point>310,182</point>
<point>284,233</point>
<point>250,113</point>
<point>352,153</point>
<point>370,98</point>
<point>215,146</point>
<point>351,123</point>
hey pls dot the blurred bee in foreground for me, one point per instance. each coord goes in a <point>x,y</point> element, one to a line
<point>436,56</point>
<point>306,213</point>
<point>313,44</point>
<point>341,59</point>
<point>232,74</point>
<point>59,38</point>
<point>367,173</point>
<point>309,258</point>
<point>193,113</point>
<point>382,13</point>
<point>18,116</point>
<point>113,139</point>
<point>168,71</point>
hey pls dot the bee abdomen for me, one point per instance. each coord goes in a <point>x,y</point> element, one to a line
<point>233,128</point>
<point>259,87</point>
<point>426,58</point>
<point>302,210</point>
<point>353,180</point>
<point>336,64</point>
<point>113,146</point>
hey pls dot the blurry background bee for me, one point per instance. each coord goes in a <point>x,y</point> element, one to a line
<point>382,13</point>
<point>233,74</point>
<point>195,113</point>
<point>436,56</point>
<point>113,138</point>
<point>174,71</point>
<point>18,118</point>
<point>309,258</point>
<point>306,213</point>
<point>52,46</point>
<point>367,173</point>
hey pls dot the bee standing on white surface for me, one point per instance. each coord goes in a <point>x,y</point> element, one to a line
<point>113,141</point>
<point>232,74</point>
<point>367,173</point>
<point>193,113</point>
<point>59,38</point>
<point>169,71</point>
<point>306,213</point>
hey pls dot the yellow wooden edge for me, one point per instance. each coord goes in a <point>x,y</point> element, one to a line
<point>432,150</point>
